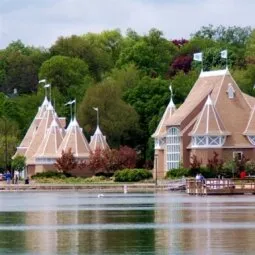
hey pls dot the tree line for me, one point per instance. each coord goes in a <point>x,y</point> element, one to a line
<point>126,76</point>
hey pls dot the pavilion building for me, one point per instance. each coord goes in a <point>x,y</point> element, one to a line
<point>216,117</point>
<point>47,137</point>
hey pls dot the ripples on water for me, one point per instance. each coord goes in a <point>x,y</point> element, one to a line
<point>138,223</point>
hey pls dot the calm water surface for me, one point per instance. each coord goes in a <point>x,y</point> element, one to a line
<point>137,223</point>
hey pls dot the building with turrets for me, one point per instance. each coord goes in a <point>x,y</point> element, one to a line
<point>216,116</point>
<point>47,137</point>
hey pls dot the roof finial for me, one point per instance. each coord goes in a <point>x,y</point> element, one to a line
<point>209,100</point>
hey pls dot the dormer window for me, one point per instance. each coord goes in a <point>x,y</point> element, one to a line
<point>230,91</point>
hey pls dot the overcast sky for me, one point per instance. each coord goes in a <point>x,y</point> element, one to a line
<point>41,22</point>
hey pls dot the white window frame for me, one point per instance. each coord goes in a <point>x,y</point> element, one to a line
<point>237,153</point>
<point>231,92</point>
<point>173,148</point>
<point>251,138</point>
<point>207,141</point>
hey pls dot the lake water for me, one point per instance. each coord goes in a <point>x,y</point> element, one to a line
<point>136,223</point>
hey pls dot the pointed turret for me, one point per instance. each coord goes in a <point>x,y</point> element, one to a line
<point>161,129</point>
<point>209,122</point>
<point>40,133</point>
<point>98,141</point>
<point>76,141</point>
<point>51,142</point>
<point>22,148</point>
<point>42,109</point>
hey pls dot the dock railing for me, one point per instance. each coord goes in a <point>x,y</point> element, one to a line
<point>220,186</point>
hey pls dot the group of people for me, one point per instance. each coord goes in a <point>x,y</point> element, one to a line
<point>8,177</point>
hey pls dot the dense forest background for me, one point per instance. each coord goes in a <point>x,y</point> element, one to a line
<point>126,76</point>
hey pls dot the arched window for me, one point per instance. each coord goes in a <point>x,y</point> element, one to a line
<point>173,148</point>
<point>230,91</point>
<point>208,141</point>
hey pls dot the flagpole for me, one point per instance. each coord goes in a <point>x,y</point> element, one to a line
<point>97,117</point>
<point>75,107</point>
<point>71,112</point>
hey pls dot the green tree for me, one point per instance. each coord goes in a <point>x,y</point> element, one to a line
<point>118,120</point>
<point>98,61</point>
<point>151,53</point>
<point>18,163</point>
<point>69,75</point>
<point>231,35</point>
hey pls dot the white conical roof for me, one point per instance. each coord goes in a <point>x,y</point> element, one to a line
<point>41,132</point>
<point>98,141</point>
<point>22,148</point>
<point>42,108</point>
<point>161,129</point>
<point>76,141</point>
<point>209,122</point>
<point>51,142</point>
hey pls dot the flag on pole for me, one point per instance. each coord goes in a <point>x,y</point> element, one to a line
<point>70,102</point>
<point>95,108</point>
<point>47,86</point>
<point>198,56</point>
<point>43,80</point>
<point>224,54</point>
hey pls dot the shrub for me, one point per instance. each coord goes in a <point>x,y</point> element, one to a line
<point>195,165</point>
<point>228,169</point>
<point>110,160</point>
<point>132,175</point>
<point>48,174</point>
<point>215,164</point>
<point>66,163</point>
<point>207,172</point>
<point>177,173</point>
<point>250,167</point>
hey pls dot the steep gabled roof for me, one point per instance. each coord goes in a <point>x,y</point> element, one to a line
<point>40,133</point>
<point>98,141</point>
<point>22,148</point>
<point>208,82</point>
<point>51,142</point>
<point>75,140</point>
<point>250,129</point>
<point>161,129</point>
<point>42,109</point>
<point>209,122</point>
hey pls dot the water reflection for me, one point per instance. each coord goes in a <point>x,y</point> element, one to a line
<point>161,223</point>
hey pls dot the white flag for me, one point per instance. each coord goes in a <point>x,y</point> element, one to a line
<point>95,108</point>
<point>43,80</point>
<point>224,54</point>
<point>198,56</point>
<point>70,102</point>
<point>47,86</point>
<point>170,88</point>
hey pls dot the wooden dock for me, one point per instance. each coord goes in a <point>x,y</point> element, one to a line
<point>221,186</point>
